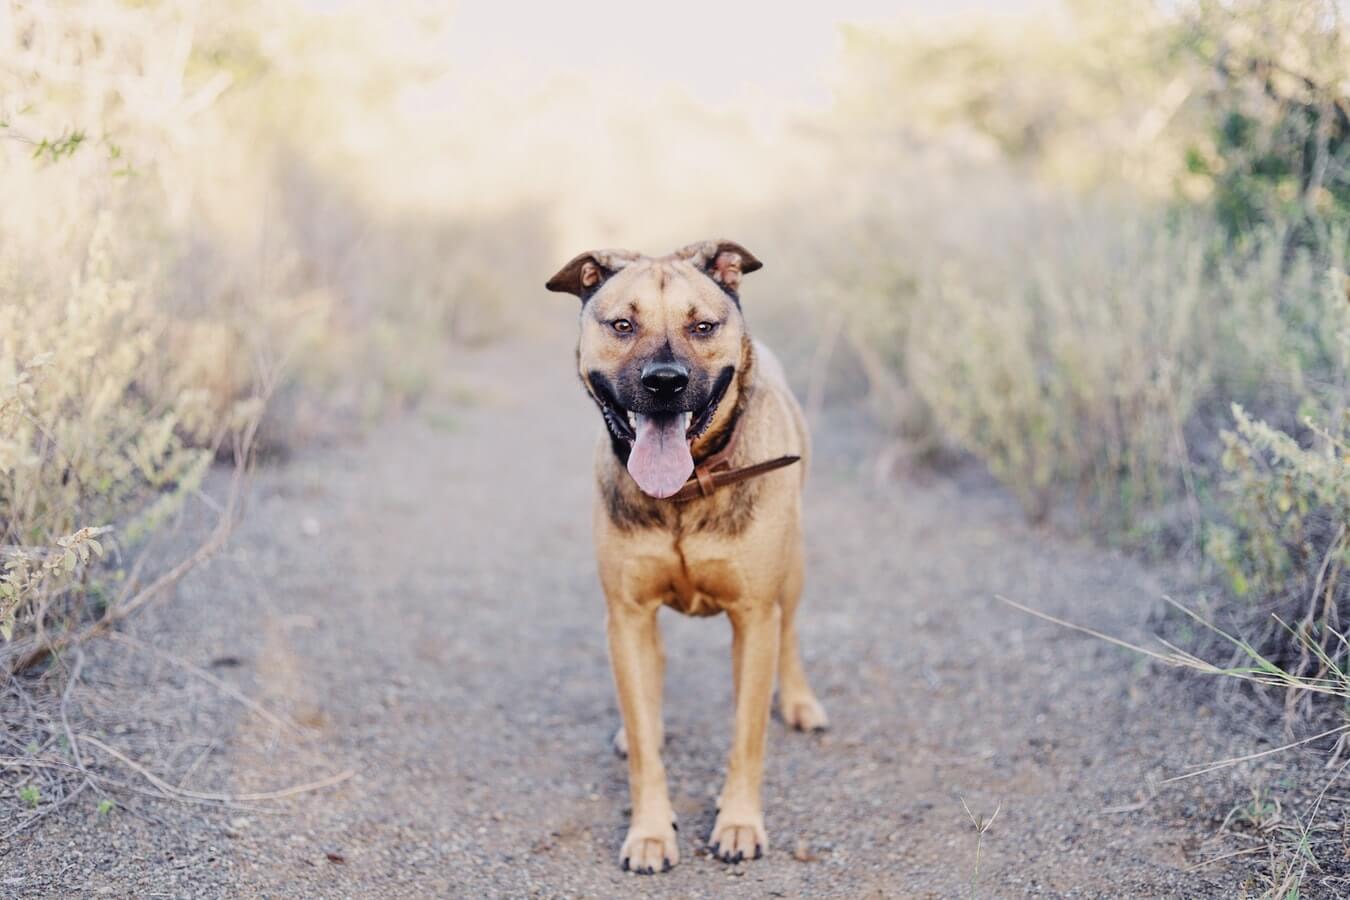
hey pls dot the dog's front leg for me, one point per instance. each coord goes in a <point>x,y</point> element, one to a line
<point>650,845</point>
<point>739,831</point>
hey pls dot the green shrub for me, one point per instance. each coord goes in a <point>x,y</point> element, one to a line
<point>1276,138</point>
<point>1289,506</point>
<point>1286,500</point>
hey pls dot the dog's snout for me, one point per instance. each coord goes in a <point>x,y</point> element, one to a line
<point>665,379</point>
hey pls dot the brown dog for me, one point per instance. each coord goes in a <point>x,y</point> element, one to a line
<point>685,392</point>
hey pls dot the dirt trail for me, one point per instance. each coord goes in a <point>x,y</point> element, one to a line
<point>425,605</point>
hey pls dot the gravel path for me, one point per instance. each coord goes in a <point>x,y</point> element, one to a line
<point>424,604</point>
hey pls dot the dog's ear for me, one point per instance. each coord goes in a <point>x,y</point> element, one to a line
<point>723,261</point>
<point>587,271</point>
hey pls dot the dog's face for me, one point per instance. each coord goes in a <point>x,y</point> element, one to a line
<point>661,342</point>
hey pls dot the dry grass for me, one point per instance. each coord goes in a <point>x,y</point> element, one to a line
<point>189,231</point>
<point>981,826</point>
<point>1126,297</point>
<point>1290,842</point>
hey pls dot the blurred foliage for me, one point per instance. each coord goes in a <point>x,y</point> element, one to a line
<point>1283,540</point>
<point>1276,147</point>
<point>1077,366</point>
<point>85,435</point>
<point>199,215</point>
<point>1082,98</point>
<point>1101,234</point>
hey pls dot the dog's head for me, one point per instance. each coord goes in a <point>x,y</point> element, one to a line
<point>661,342</point>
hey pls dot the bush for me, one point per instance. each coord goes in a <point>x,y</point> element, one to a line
<point>1087,347</point>
<point>86,437</point>
<point>1074,367</point>
<point>209,175</point>
<point>1285,541</point>
<point>1276,141</point>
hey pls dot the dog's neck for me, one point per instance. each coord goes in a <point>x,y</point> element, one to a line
<point>728,414</point>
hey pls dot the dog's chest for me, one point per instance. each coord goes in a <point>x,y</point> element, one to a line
<point>696,585</point>
<point>696,601</point>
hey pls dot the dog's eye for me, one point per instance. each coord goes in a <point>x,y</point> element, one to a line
<point>705,328</point>
<point>622,326</point>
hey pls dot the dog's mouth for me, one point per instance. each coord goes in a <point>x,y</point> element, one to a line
<point>660,460</point>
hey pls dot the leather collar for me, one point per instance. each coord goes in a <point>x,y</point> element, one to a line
<point>715,471</point>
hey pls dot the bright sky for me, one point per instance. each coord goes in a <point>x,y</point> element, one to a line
<point>714,49</point>
<point>583,103</point>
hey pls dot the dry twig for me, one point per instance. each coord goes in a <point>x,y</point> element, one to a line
<point>174,791</point>
<point>125,606</point>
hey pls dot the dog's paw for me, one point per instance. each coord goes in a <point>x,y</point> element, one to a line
<point>803,713</point>
<point>738,838</point>
<point>649,849</point>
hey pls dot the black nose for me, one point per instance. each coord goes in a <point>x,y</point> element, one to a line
<point>665,379</point>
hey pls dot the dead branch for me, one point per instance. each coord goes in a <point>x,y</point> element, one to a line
<point>120,610</point>
<point>178,792</point>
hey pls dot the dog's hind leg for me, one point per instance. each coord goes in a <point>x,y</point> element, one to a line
<point>650,845</point>
<point>653,680</point>
<point>739,831</point>
<point>797,703</point>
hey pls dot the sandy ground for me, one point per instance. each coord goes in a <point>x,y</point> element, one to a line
<point>424,604</point>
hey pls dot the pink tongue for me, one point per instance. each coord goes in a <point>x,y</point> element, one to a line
<point>659,461</point>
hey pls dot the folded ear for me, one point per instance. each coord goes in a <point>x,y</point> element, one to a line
<point>723,261</point>
<point>587,271</point>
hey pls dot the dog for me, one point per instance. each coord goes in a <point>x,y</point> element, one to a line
<point>698,476</point>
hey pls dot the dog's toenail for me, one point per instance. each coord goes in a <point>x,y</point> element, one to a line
<point>740,856</point>
<point>625,864</point>
<point>665,867</point>
<point>675,826</point>
<point>759,851</point>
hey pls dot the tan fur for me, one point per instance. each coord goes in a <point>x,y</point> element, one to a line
<point>738,551</point>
